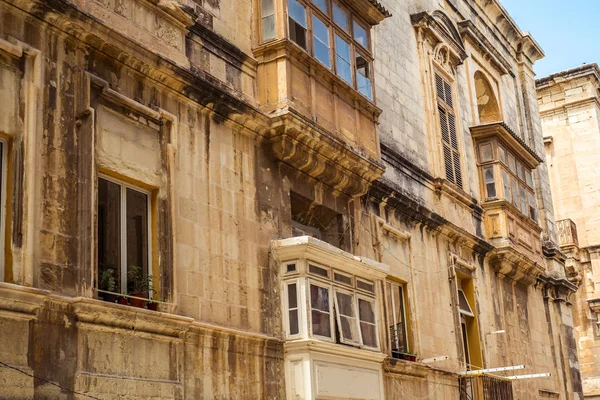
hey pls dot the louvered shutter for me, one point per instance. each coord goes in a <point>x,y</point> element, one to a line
<point>448,130</point>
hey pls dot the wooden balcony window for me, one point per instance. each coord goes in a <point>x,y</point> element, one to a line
<point>504,177</point>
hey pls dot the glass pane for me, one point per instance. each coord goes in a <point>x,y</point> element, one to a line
<point>524,209</point>
<point>506,184</point>
<point>343,278</point>
<point>319,298</point>
<point>321,42</point>
<point>320,323</point>
<point>297,12</point>
<point>313,269</point>
<point>109,236</point>
<point>345,304</point>
<point>291,268</point>
<point>340,17</point>
<point>268,27</point>
<point>486,152</point>
<point>322,4</point>
<point>511,163</point>
<point>489,182</point>
<point>369,287</point>
<point>267,8</point>
<point>363,76</point>
<point>528,177</point>
<point>360,35</point>
<point>365,311</point>
<point>532,211</point>
<point>137,242</point>
<point>297,33</point>
<point>520,171</point>
<point>515,192</point>
<point>342,49</point>
<point>292,296</point>
<point>294,329</point>
<point>349,329</point>
<point>502,154</point>
<point>369,335</point>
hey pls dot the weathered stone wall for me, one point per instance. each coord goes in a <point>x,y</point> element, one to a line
<point>568,103</point>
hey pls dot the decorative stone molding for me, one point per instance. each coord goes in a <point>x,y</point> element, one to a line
<point>310,150</point>
<point>517,266</point>
<point>559,289</point>
<point>439,32</point>
<point>470,32</point>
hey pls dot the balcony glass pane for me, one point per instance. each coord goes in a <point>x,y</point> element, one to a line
<point>322,4</point>
<point>109,236</point>
<point>343,64</point>
<point>490,184</point>
<point>320,313</point>
<point>485,151</point>
<point>363,77</point>
<point>360,35</point>
<point>347,314</point>
<point>293,309</point>
<point>297,23</point>
<point>366,313</point>
<point>267,19</point>
<point>321,42</point>
<point>137,242</point>
<point>506,184</point>
<point>340,17</point>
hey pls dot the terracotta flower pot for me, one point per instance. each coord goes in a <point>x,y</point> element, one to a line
<point>152,306</point>
<point>137,302</point>
<point>123,300</point>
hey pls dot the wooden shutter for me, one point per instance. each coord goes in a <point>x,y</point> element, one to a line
<point>448,130</point>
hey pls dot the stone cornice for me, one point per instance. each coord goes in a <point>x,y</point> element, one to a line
<point>469,30</point>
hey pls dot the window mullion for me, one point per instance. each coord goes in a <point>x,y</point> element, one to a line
<point>123,217</point>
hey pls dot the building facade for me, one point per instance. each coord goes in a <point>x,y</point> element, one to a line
<point>276,199</point>
<point>569,106</point>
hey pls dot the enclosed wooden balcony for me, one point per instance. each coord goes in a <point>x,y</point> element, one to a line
<point>506,165</point>
<point>315,79</point>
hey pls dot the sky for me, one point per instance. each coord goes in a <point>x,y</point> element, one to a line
<point>567,30</point>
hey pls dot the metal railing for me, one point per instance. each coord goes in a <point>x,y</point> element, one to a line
<point>485,387</point>
<point>398,339</point>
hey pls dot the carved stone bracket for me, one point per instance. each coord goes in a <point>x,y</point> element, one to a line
<point>515,265</point>
<point>559,289</point>
<point>323,157</point>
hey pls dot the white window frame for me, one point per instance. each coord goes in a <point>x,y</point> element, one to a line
<point>4,172</point>
<point>286,314</point>
<point>372,300</point>
<point>393,286</point>
<point>331,337</point>
<point>123,227</point>
<point>338,316</point>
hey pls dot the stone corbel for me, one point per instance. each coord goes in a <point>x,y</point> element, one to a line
<point>594,305</point>
<point>559,289</point>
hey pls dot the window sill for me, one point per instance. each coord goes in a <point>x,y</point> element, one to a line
<point>135,302</point>
<point>333,349</point>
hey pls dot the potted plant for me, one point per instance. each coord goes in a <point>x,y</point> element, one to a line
<point>108,283</point>
<point>141,285</point>
<point>123,299</point>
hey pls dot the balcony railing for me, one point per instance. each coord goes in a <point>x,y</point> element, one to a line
<point>566,231</point>
<point>485,387</point>
<point>399,342</point>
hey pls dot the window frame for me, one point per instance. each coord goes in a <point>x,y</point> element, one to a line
<point>299,308</point>
<point>5,145</point>
<point>390,287</point>
<point>338,316</point>
<point>124,185</point>
<point>373,300</point>
<point>347,35</point>
<point>310,282</point>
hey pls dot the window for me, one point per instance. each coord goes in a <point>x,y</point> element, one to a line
<point>517,178</point>
<point>341,306</point>
<point>490,185</point>
<point>297,23</point>
<point>3,173</point>
<point>342,59</point>
<point>340,40</point>
<point>292,296</point>
<point>468,323</point>
<point>320,311</point>
<point>448,128</point>
<point>267,21</point>
<point>321,42</point>
<point>397,318</point>
<point>124,256</point>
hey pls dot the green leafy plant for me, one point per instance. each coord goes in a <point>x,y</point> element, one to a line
<point>107,280</point>
<point>140,283</point>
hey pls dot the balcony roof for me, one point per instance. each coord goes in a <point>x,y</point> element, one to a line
<point>510,139</point>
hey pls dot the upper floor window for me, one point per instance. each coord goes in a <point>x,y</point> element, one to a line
<point>504,176</point>
<point>124,239</point>
<point>267,20</point>
<point>397,320</point>
<point>339,307</point>
<point>447,116</point>
<point>336,37</point>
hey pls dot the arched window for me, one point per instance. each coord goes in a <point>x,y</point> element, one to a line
<point>487,105</point>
